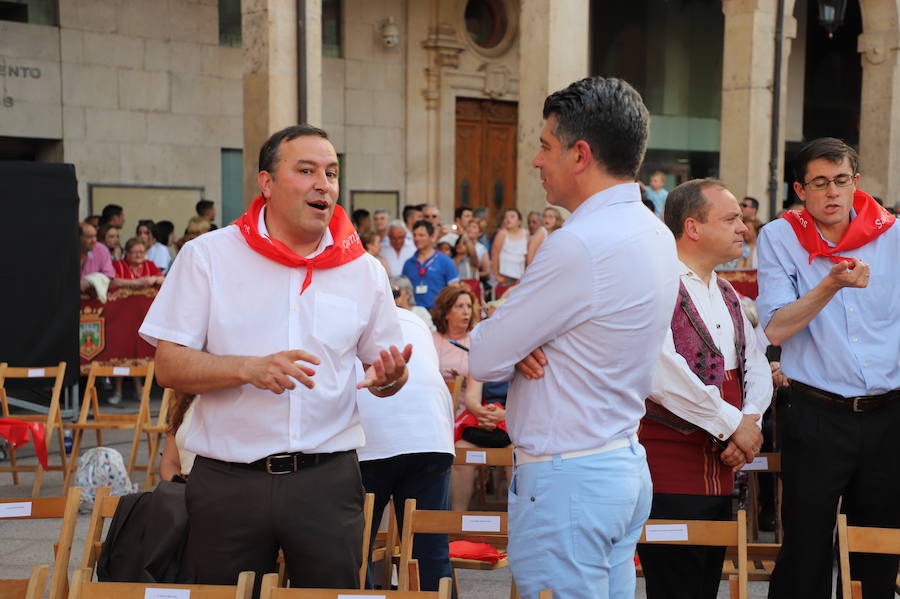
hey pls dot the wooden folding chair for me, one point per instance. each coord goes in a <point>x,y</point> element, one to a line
<point>27,588</point>
<point>456,387</point>
<point>83,588</point>
<point>104,509</point>
<point>154,433</point>
<point>708,533</point>
<point>105,421</point>
<point>761,559</point>
<point>271,590</point>
<point>65,508</point>
<point>480,527</point>
<point>764,462</point>
<point>52,421</point>
<point>862,539</point>
<point>489,457</point>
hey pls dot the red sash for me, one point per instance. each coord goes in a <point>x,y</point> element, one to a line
<point>871,221</point>
<point>347,245</point>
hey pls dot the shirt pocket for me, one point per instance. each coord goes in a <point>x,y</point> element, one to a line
<point>336,323</point>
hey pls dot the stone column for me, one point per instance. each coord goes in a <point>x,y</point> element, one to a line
<point>269,35</point>
<point>553,52</point>
<point>879,134</point>
<point>747,80</point>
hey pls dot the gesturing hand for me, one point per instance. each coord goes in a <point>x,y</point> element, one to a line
<point>850,274</point>
<point>532,365</point>
<point>388,368</point>
<point>276,372</point>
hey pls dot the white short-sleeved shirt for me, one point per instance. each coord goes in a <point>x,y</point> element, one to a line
<point>224,298</point>
<point>419,417</point>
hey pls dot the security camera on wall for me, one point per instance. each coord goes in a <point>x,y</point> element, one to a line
<point>390,33</point>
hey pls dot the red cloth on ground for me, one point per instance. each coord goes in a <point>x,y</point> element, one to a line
<point>483,552</point>
<point>16,433</point>
<point>347,245</point>
<point>689,464</point>
<point>871,221</point>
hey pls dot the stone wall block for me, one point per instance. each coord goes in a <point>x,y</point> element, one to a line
<point>360,42</point>
<point>143,90</point>
<point>231,62</point>
<point>71,43</point>
<point>143,163</point>
<point>90,15</point>
<point>176,129</point>
<point>113,50</point>
<point>73,122</point>
<point>333,105</point>
<point>388,106</point>
<point>89,86</point>
<point>333,72</point>
<point>186,57</point>
<point>196,94</point>
<point>360,109</point>
<point>36,42</point>
<point>144,18</point>
<point>115,125</point>
<point>232,97</point>
<point>191,22</point>
<point>95,162</point>
<point>387,171</point>
<point>157,55</point>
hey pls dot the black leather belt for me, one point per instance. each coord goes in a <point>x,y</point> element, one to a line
<point>858,404</point>
<point>286,463</point>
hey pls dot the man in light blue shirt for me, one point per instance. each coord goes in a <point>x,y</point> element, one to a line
<point>830,296</point>
<point>579,338</point>
<point>657,193</point>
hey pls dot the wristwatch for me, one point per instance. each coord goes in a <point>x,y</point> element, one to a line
<point>384,388</point>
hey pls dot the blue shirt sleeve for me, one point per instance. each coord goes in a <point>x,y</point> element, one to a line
<point>777,284</point>
<point>450,271</point>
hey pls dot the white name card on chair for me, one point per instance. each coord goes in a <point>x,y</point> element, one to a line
<point>476,457</point>
<point>17,509</point>
<point>759,463</point>
<point>666,532</point>
<point>151,593</point>
<point>125,371</point>
<point>36,372</point>
<point>481,523</point>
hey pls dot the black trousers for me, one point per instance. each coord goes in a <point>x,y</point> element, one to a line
<point>684,571</point>
<point>239,518</point>
<point>830,453</point>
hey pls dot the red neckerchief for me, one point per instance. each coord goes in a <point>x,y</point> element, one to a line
<point>347,245</point>
<point>871,221</point>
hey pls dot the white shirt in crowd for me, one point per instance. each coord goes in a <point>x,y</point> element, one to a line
<point>598,299</point>
<point>395,259</point>
<point>159,255</point>
<point>224,298</point>
<point>679,390</point>
<point>419,417</point>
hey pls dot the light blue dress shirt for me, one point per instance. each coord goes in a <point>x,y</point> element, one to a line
<point>852,346</point>
<point>598,299</point>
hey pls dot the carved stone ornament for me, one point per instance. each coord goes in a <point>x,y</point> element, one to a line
<point>497,78</point>
<point>877,45</point>
<point>444,43</point>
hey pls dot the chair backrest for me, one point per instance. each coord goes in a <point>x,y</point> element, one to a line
<point>456,388</point>
<point>65,508</point>
<point>91,402</point>
<point>270,590</point>
<point>862,539</point>
<point>83,588</point>
<point>480,527</point>
<point>485,456</point>
<point>368,511</point>
<point>709,533</point>
<point>474,286</point>
<point>57,373</point>
<point>104,509</point>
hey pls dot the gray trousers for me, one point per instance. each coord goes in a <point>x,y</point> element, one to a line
<point>239,518</point>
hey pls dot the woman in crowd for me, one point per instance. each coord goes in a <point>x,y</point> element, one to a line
<point>109,236</point>
<point>175,460</point>
<point>748,260</point>
<point>166,231</point>
<point>465,256</point>
<point>403,296</point>
<point>156,252</point>
<point>509,249</point>
<point>534,222</point>
<point>196,227</point>
<point>475,233</point>
<point>372,242</point>
<point>454,315</point>
<point>551,221</point>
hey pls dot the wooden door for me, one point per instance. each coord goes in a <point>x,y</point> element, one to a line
<point>486,155</point>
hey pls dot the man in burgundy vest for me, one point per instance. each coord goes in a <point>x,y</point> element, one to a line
<point>711,387</point>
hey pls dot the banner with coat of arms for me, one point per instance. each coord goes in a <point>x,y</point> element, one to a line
<point>91,332</point>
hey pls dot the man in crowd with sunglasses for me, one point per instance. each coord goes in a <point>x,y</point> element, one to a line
<point>829,295</point>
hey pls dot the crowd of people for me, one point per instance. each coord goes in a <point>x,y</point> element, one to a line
<point>630,380</point>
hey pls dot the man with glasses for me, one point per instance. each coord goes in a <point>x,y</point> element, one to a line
<point>432,214</point>
<point>749,207</point>
<point>829,295</point>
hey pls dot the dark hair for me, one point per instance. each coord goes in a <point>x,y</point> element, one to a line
<point>753,201</point>
<point>151,226</point>
<point>268,153</point>
<point>180,402</point>
<point>370,237</point>
<point>408,209</point>
<point>513,209</point>
<point>104,229</point>
<point>444,301</point>
<point>609,115</point>
<point>649,204</point>
<point>457,214</point>
<point>202,206</point>
<point>831,149</point>
<point>358,215</point>
<point>109,211</point>
<point>424,223</point>
<point>687,201</point>
<point>164,228</point>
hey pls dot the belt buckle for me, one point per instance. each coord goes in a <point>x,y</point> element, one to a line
<point>855,403</point>
<point>289,468</point>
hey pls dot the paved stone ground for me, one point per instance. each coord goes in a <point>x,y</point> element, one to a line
<point>24,543</point>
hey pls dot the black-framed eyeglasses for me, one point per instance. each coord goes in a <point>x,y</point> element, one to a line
<point>820,183</point>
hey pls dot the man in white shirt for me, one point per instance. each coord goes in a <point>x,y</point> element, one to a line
<point>286,295</point>
<point>583,328</point>
<point>711,387</point>
<point>397,248</point>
